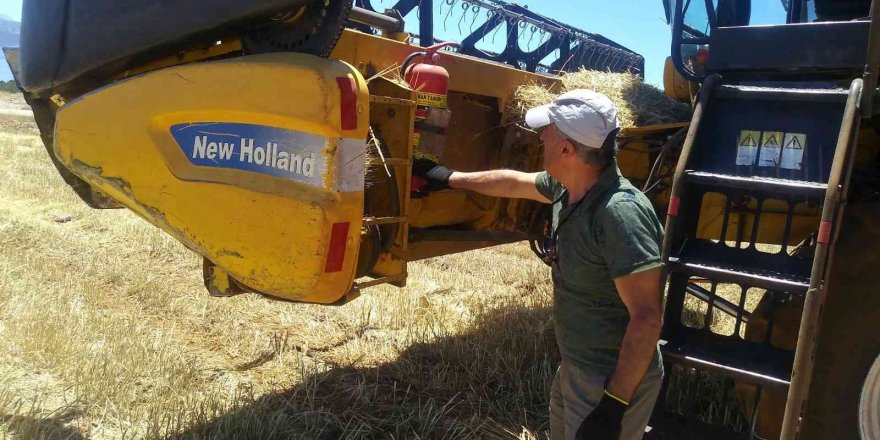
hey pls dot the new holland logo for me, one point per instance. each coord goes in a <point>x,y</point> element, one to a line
<point>262,149</point>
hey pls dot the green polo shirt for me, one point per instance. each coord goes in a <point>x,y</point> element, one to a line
<point>613,231</point>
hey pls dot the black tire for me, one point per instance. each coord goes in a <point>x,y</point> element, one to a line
<point>849,339</point>
<point>315,32</point>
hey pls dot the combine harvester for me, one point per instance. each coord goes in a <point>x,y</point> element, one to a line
<point>275,138</point>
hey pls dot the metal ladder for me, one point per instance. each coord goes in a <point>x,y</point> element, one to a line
<point>771,158</point>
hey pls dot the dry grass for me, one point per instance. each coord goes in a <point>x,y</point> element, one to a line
<point>721,323</point>
<point>638,104</point>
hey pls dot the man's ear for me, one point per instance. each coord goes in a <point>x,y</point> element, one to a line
<point>567,147</point>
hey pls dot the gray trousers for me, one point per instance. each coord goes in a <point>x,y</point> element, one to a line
<point>576,392</point>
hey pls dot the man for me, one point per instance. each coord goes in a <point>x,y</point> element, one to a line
<point>605,253</point>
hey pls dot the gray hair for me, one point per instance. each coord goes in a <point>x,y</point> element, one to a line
<point>598,157</point>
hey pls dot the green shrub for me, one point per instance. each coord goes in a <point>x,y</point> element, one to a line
<point>8,86</point>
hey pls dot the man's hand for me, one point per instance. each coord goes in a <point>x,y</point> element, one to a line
<point>605,422</point>
<point>435,174</point>
<point>428,176</point>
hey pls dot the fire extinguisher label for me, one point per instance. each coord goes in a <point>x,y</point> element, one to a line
<point>431,99</point>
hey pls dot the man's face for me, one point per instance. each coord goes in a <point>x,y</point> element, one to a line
<point>555,148</point>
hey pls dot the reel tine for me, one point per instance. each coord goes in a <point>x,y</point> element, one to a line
<point>476,10</point>
<point>465,6</point>
<point>534,29</point>
<point>451,4</point>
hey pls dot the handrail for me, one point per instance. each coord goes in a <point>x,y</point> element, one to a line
<point>672,219</point>
<point>802,370</point>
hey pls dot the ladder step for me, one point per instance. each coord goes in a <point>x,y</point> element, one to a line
<point>758,363</point>
<point>751,277</point>
<point>781,94</point>
<point>758,184</point>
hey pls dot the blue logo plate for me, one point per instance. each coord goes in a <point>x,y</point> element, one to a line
<point>279,152</point>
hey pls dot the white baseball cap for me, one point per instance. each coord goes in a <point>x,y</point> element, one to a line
<point>583,115</point>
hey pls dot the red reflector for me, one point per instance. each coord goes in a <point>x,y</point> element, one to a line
<point>824,232</point>
<point>336,252</point>
<point>674,201</point>
<point>703,56</point>
<point>348,118</point>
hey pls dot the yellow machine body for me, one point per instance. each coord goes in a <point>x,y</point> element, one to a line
<point>254,162</point>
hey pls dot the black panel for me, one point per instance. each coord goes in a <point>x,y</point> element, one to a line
<point>726,118</point>
<point>840,46</point>
<point>64,39</point>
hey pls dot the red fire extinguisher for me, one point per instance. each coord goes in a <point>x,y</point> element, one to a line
<point>431,83</point>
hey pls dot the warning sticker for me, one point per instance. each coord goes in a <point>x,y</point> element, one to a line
<point>431,99</point>
<point>793,147</point>
<point>771,146</point>
<point>747,147</point>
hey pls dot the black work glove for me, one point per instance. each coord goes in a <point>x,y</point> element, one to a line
<point>605,422</point>
<point>436,175</point>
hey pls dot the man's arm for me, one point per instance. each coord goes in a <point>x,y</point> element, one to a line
<point>499,183</point>
<point>641,293</point>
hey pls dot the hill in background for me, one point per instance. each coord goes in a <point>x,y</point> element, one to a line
<point>9,37</point>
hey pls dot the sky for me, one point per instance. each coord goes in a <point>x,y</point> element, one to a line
<point>11,9</point>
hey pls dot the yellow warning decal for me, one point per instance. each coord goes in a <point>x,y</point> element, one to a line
<point>772,139</point>
<point>747,147</point>
<point>795,141</point>
<point>771,146</point>
<point>793,147</point>
<point>431,99</point>
<point>423,155</point>
<point>749,138</point>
